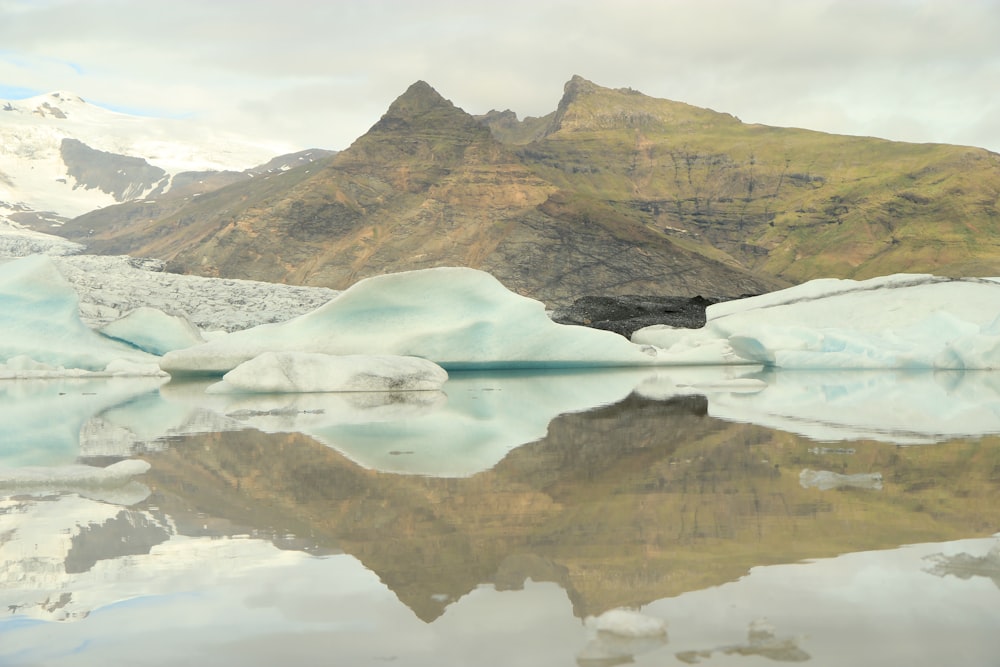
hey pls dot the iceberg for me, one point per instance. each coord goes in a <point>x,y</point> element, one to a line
<point>153,331</point>
<point>461,318</point>
<point>619,635</point>
<point>314,372</point>
<point>457,317</point>
<point>903,321</point>
<point>42,331</point>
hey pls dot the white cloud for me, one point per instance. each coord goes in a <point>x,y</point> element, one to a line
<point>320,74</point>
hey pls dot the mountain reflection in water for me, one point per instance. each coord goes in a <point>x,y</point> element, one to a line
<point>493,523</point>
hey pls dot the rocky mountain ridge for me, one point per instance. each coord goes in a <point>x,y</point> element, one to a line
<point>427,186</point>
<point>614,193</point>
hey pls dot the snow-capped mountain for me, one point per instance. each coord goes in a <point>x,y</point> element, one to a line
<point>61,156</point>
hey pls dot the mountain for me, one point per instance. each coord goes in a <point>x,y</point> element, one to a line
<point>427,185</point>
<point>613,193</point>
<point>784,202</point>
<point>63,157</point>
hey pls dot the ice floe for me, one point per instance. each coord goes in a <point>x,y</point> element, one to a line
<point>898,321</point>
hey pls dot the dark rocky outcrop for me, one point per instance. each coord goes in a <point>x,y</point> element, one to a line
<point>121,176</point>
<point>626,314</point>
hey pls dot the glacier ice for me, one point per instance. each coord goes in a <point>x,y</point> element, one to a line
<point>462,318</point>
<point>316,372</point>
<point>42,332</point>
<point>457,317</point>
<point>111,286</point>
<point>151,330</point>
<point>898,321</point>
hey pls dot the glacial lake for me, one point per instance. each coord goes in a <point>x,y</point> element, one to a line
<point>765,517</point>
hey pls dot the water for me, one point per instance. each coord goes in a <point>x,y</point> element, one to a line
<point>821,518</point>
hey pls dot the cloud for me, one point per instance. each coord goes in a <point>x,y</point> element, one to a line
<point>320,74</point>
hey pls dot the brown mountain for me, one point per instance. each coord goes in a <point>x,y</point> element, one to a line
<point>427,186</point>
<point>613,193</point>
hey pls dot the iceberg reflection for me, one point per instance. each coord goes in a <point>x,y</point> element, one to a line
<point>480,416</point>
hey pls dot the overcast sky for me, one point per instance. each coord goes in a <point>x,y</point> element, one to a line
<point>320,73</point>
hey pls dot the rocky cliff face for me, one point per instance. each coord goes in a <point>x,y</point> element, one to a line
<point>121,176</point>
<point>782,202</point>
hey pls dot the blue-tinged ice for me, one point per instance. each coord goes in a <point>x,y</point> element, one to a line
<point>42,333</point>
<point>153,331</point>
<point>901,321</point>
<point>459,318</point>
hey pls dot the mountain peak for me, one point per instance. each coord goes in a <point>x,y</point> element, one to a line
<point>57,104</point>
<point>62,96</point>
<point>588,106</point>
<point>418,99</point>
<point>577,85</point>
<point>420,110</point>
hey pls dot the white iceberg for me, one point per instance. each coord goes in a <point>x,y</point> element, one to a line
<point>154,331</point>
<point>459,318</point>
<point>314,372</point>
<point>899,321</point>
<point>42,334</point>
<point>628,623</point>
<point>620,635</point>
<point>462,318</point>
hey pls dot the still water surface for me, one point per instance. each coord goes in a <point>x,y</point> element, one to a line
<point>815,518</point>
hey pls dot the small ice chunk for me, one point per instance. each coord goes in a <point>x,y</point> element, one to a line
<point>628,623</point>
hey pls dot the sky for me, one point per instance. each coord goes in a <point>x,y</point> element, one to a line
<point>319,74</point>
